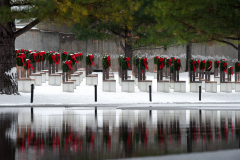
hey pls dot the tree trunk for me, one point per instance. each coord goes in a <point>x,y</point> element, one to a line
<point>188,55</point>
<point>128,52</point>
<point>128,46</point>
<point>8,74</point>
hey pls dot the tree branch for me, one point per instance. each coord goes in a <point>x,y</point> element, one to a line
<point>232,38</point>
<point>26,28</point>
<point>229,43</point>
<point>117,33</point>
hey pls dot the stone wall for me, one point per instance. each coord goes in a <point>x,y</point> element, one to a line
<point>38,40</point>
<point>58,41</point>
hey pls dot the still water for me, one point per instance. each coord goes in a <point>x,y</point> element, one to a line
<point>78,133</point>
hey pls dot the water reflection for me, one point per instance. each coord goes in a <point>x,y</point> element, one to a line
<point>105,134</point>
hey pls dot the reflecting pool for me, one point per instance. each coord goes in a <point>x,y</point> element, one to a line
<point>85,133</point>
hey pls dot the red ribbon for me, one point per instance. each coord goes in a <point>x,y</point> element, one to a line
<point>22,56</point>
<point>76,56</point>
<point>91,57</point>
<point>194,68</point>
<point>41,54</point>
<point>73,57</point>
<point>145,63</point>
<point>218,63</point>
<point>65,54</point>
<point>169,62</point>
<point>128,59</point>
<point>178,61</point>
<point>210,62</point>
<point>225,67</point>
<point>203,64</point>
<point>161,63</point>
<point>80,55</point>
<point>108,60</point>
<point>68,63</point>
<point>58,57</point>
<point>197,63</point>
<point>54,58</point>
<point>29,64</point>
<point>34,56</point>
<point>231,68</point>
